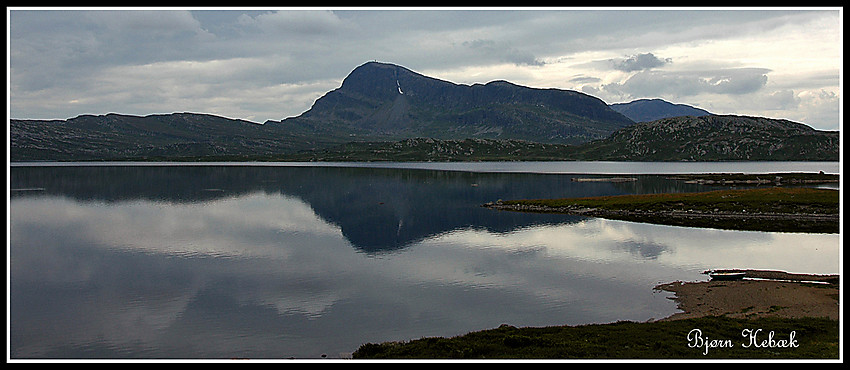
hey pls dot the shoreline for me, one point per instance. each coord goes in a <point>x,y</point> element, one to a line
<point>779,222</point>
<point>774,301</point>
<point>761,294</point>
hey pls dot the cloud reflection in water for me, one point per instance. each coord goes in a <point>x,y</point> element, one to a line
<point>262,275</point>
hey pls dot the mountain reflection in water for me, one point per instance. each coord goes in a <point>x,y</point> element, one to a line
<point>278,262</point>
<point>376,209</point>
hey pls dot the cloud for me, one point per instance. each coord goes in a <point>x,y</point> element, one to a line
<point>639,62</point>
<point>781,100</point>
<point>682,84</point>
<point>178,58</point>
<point>63,49</point>
<point>818,108</point>
<point>585,79</point>
<point>590,90</point>
<point>821,108</point>
<point>153,23</point>
<point>288,23</point>
<point>502,52</point>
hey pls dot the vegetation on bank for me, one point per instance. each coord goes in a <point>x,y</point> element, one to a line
<point>761,200</point>
<point>760,209</point>
<point>815,338</point>
<point>783,178</point>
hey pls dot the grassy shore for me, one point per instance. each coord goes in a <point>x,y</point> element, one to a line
<point>760,209</point>
<point>800,316</point>
<point>815,338</point>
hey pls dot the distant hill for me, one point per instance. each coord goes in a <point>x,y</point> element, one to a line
<point>385,102</point>
<point>158,136</point>
<point>647,110</point>
<point>687,138</point>
<point>715,138</point>
<point>436,150</point>
<point>203,137</point>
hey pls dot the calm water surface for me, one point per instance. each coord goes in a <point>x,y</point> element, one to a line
<point>270,261</point>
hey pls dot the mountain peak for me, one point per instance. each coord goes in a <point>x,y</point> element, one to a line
<point>380,80</point>
<point>376,67</point>
<point>389,102</point>
<point>377,64</point>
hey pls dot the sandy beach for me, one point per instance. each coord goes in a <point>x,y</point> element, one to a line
<point>760,294</point>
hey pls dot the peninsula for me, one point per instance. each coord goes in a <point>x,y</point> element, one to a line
<point>775,209</point>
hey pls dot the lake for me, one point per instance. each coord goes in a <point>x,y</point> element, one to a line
<point>311,260</point>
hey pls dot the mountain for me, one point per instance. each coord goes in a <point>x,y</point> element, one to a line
<point>385,102</point>
<point>715,138</point>
<point>647,110</point>
<point>376,102</point>
<point>387,112</point>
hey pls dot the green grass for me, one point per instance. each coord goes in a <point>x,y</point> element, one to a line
<point>817,339</point>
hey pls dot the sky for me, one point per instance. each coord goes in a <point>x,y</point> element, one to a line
<point>262,64</point>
